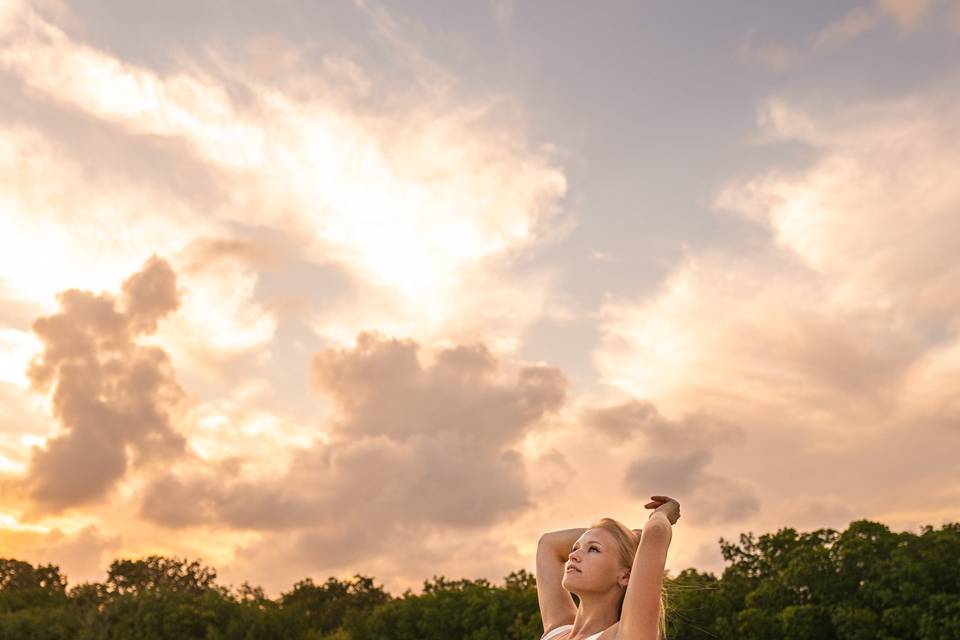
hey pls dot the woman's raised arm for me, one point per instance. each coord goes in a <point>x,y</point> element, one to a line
<point>556,604</point>
<point>640,617</point>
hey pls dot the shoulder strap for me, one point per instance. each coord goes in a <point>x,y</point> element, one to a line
<point>556,632</point>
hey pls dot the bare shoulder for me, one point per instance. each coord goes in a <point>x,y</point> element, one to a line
<point>610,633</point>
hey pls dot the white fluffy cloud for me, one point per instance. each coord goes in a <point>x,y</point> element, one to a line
<point>844,328</point>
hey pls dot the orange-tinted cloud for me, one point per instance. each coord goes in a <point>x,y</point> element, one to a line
<point>110,394</point>
<point>412,446</point>
<point>80,554</point>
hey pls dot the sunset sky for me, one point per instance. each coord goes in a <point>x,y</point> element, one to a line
<point>323,288</point>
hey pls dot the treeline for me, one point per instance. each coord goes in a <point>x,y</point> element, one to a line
<point>863,583</point>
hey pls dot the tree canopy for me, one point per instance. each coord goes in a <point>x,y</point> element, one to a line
<point>866,582</point>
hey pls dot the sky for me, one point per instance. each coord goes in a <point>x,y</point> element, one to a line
<point>316,289</point>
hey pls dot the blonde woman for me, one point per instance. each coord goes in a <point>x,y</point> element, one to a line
<point>615,572</point>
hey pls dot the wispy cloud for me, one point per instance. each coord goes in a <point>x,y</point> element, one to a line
<point>908,16</point>
<point>855,23</point>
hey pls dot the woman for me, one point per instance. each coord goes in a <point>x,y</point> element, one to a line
<point>616,573</point>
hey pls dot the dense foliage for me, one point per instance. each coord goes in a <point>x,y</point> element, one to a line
<point>863,583</point>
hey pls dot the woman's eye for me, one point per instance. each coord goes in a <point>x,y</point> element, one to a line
<point>594,549</point>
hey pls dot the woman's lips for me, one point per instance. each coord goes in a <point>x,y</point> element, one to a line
<point>571,568</point>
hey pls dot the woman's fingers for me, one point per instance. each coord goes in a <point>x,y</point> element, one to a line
<point>666,504</point>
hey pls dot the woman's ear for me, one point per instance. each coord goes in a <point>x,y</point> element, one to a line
<point>624,578</point>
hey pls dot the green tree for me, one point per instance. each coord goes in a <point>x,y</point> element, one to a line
<point>23,586</point>
<point>806,622</point>
<point>322,608</point>
<point>855,623</point>
<point>157,598</point>
<point>941,620</point>
<point>694,603</point>
<point>756,624</point>
<point>863,583</point>
<point>157,573</point>
<point>468,609</point>
<point>34,603</point>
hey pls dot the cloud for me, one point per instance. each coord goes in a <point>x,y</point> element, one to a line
<point>381,389</point>
<point>280,558</point>
<point>886,170</point>
<point>907,15</point>
<point>81,554</point>
<point>16,347</point>
<point>855,23</point>
<point>854,290</point>
<point>635,417</point>
<point>701,344</point>
<point>94,221</point>
<point>110,394</point>
<point>776,57</point>
<point>419,199</point>
<point>837,338</point>
<point>414,445</point>
<point>406,207</point>
<point>681,451</point>
<point>677,475</point>
<point>97,220</point>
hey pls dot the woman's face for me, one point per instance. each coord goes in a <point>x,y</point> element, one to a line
<point>593,565</point>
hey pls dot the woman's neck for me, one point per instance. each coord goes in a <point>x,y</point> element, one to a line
<point>596,612</point>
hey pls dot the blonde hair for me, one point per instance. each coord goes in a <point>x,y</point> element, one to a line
<point>627,544</point>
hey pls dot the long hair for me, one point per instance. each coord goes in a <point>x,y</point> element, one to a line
<point>627,544</point>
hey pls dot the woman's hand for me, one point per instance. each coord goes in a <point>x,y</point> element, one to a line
<point>667,505</point>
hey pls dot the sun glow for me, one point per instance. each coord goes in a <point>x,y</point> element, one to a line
<point>409,204</point>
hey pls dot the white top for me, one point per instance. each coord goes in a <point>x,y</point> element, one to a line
<point>556,633</point>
